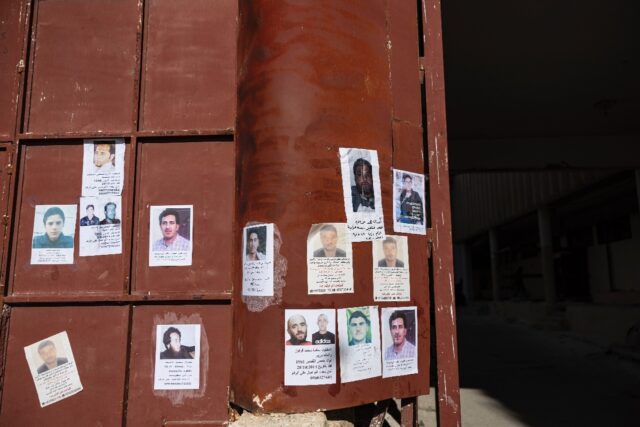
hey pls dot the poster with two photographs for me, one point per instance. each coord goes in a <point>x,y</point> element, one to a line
<point>310,346</point>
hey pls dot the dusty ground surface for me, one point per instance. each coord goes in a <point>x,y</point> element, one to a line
<point>514,375</point>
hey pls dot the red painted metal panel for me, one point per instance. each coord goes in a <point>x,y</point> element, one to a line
<point>51,173</point>
<point>188,172</point>
<point>189,65</point>
<point>12,23</point>
<point>404,61</point>
<point>83,66</point>
<point>149,407</point>
<point>98,338</point>
<point>294,110</point>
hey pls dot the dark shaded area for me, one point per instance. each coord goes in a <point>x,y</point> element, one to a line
<point>546,378</point>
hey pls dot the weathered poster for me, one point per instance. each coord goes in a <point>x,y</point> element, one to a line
<point>310,347</point>
<point>257,260</point>
<point>362,196</point>
<point>170,235</point>
<point>399,340</point>
<point>54,229</point>
<point>329,260</point>
<point>100,226</point>
<point>103,167</point>
<point>177,357</point>
<point>359,329</point>
<point>53,369</point>
<point>409,202</point>
<point>391,269</point>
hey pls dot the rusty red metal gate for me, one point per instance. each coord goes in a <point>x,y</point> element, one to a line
<point>161,74</point>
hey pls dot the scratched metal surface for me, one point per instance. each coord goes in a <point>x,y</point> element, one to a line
<point>98,338</point>
<point>201,174</point>
<point>313,78</point>
<point>83,66</point>
<point>12,22</point>
<point>448,388</point>
<point>51,173</point>
<point>148,407</point>
<point>189,65</point>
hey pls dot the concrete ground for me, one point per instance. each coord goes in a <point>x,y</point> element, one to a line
<point>514,375</point>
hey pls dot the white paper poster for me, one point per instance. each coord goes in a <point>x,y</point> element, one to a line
<point>329,260</point>
<point>257,260</point>
<point>170,235</point>
<point>399,341</point>
<point>177,357</point>
<point>359,329</point>
<point>391,269</point>
<point>362,196</point>
<point>408,202</point>
<point>103,167</point>
<point>53,369</point>
<point>100,225</point>
<point>54,229</point>
<point>310,347</point>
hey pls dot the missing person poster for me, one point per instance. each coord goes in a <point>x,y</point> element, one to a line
<point>329,260</point>
<point>359,329</point>
<point>408,202</point>
<point>100,225</point>
<point>309,347</point>
<point>170,235</point>
<point>54,228</point>
<point>391,269</point>
<point>257,260</point>
<point>399,341</point>
<point>103,167</point>
<point>177,357</point>
<point>53,369</point>
<point>362,196</point>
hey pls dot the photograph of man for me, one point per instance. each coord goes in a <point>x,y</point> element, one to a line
<point>410,202</point>
<point>104,155</point>
<point>323,336</point>
<point>401,347</point>
<point>53,225</point>
<point>169,220</point>
<point>359,325</point>
<point>362,194</point>
<point>110,214</point>
<point>174,349</point>
<point>390,249</point>
<point>329,240</point>
<point>49,355</point>
<point>254,241</point>
<point>90,218</point>
<point>297,329</point>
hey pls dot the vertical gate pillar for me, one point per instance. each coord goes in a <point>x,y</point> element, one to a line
<point>546,255</point>
<point>495,271</point>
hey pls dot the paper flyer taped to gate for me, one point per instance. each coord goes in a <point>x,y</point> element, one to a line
<point>54,228</point>
<point>329,259</point>
<point>362,195</point>
<point>399,341</point>
<point>170,235</point>
<point>177,357</point>
<point>408,202</point>
<point>359,330</point>
<point>53,369</point>
<point>103,167</point>
<point>391,281</point>
<point>310,347</point>
<point>257,260</point>
<point>100,225</point>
